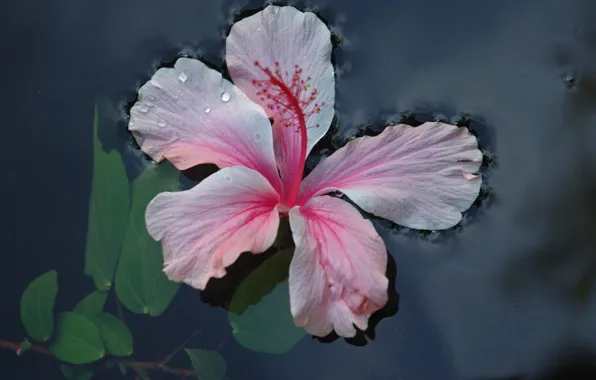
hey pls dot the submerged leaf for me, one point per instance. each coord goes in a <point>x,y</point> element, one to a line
<point>108,209</point>
<point>207,365</point>
<point>77,373</point>
<point>261,282</point>
<point>267,326</point>
<point>141,284</point>
<point>116,335</point>
<point>78,340</point>
<point>92,304</point>
<point>37,306</point>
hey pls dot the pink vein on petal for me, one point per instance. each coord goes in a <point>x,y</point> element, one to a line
<point>289,98</point>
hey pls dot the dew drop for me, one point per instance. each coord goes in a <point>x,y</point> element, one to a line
<point>258,136</point>
<point>207,110</point>
<point>156,83</point>
<point>228,178</point>
<point>143,109</point>
<point>225,96</point>
<point>182,77</point>
<point>162,124</point>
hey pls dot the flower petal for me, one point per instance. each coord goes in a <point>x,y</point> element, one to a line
<point>337,275</point>
<point>281,58</point>
<point>419,177</point>
<point>205,229</point>
<point>190,115</point>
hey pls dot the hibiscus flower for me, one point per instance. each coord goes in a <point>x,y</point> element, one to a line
<point>280,62</point>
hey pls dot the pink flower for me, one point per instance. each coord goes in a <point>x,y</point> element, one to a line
<point>280,61</point>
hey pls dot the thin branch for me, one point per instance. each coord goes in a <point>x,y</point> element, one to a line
<point>132,364</point>
<point>171,355</point>
<point>223,343</point>
<point>16,347</point>
<point>156,365</point>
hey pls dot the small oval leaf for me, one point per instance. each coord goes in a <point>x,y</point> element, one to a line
<point>264,323</point>
<point>207,365</point>
<point>37,306</point>
<point>116,335</point>
<point>92,304</point>
<point>141,284</point>
<point>108,206</point>
<point>78,340</point>
<point>78,373</point>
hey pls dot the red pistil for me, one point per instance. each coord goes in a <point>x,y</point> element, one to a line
<point>292,102</point>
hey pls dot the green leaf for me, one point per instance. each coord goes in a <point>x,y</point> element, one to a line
<point>207,365</point>
<point>24,346</point>
<point>108,208</point>
<point>37,306</point>
<point>116,336</point>
<point>79,373</point>
<point>92,304</point>
<point>122,368</point>
<point>141,284</point>
<point>266,326</point>
<point>261,281</point>
<point>78,340</point>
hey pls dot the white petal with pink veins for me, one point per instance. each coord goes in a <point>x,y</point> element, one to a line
<point>190,115</point>
<point>419,177</point>
<point>281,58</point>
<point>337,275</point>
<point>205,229</point>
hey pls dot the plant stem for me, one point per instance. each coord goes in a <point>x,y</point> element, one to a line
<point>171,355</point>
<point>132,364</point>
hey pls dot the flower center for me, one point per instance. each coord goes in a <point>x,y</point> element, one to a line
<point>291,100</point>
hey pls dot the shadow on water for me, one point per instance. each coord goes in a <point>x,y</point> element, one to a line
<point>571,364</point>
<point>566,262</point>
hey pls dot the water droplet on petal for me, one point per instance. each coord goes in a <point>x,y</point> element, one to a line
<point>275,9</point>
<point>182,77</point>
<point>228,178</point>
<point>258,136</point>
<point>156,83</point>
<point>207,110</point>
<point>162,124</point>
<point>143,109</point>
<point>225,96</point>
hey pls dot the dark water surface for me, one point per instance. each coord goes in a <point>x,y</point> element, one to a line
<point>509,294</point>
